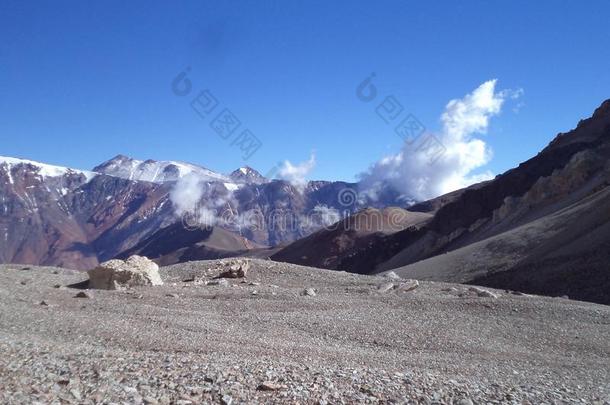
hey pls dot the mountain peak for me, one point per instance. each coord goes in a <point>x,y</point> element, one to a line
<point>154,171</point>
<point>43,169</point>
<point>603,110</point>
<point>246,174</point>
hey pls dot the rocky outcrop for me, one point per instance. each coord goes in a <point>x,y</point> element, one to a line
<point>234,269</point>
<point>121,274</point>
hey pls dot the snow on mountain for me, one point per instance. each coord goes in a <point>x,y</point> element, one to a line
<point>247,174</point>
<point>42,169</point>
<point>155,171</point>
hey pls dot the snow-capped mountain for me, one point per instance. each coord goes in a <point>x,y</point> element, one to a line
<point>41,169</point>
<point>53,215</point>
<point>56,215</point>
<point>155,171</point>
<point>247,174</point>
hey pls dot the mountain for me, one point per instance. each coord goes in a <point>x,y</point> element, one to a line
<point>327,247</point>
<point>55,215</point>
<point>543,227</point>
<point>248,175</point>
<point>155,171</point>
<point>51,215</point>
<point>177,244</point>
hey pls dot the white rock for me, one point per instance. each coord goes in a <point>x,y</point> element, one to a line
<point>310,292</point>
<point>391,275</point>
<point>408,285</point>
<point>122,274</point>
<point>482,292</point>
<point>237,269</point>
<point>385,287</point>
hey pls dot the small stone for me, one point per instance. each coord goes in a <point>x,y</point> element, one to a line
<point>464,401</point>
<point>219,281</point>
<point>254,283</point>
<point>385,287</point>
<point>57,286</point>
<point>269,386</point>
<point>226,400</point>
<point>172,295</point>
<point>254,292</point>
<point>391,275</point>
<point>44,303</point>
<point>482,292</point>
<point>75,393</point>
<point>309,292</point>
<point>83,294</point>
<point>408,285</point>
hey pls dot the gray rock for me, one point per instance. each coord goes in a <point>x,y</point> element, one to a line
<point>482,292</point>
<point>408,285</point>
<point>122,274</point>
<point>237,269</point>
<point>391,275</point>
<point>310,292</point>
<point>226,400</point>
<point>219,281</point>
<point>83,294</point>
<point>269,386</point>
<point>385,287</point>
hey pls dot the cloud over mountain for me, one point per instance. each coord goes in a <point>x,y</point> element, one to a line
<point>439,163</point>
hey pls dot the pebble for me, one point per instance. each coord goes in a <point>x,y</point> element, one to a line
<point>385,287</point>
<point>482,292</point>
<point>269,386</point>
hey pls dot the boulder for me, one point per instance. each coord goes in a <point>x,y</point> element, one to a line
<point>482,292</point>
<point>236,269</point>
<point>121,274</point>
<point>408,285</point>
<point>392,276</point>
<point>219,281</point>
<point>385,287</point>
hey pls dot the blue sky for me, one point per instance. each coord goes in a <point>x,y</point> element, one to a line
<point>81,82</point>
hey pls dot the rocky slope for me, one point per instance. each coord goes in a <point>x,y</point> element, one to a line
<point>177,244</point>
<point>330,246</point>
<point>541,227</point>
<point>263,341</point>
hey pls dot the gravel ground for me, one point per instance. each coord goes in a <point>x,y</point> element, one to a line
<point>261,340</point>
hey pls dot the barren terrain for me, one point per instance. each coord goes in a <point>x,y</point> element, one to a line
<point>263,341</point>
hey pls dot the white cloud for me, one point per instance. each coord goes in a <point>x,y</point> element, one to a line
<point>433,165</point>
<point>327,215</point>
<point>297,174</point>
<point>186,193</point>
<point>197,201</point>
